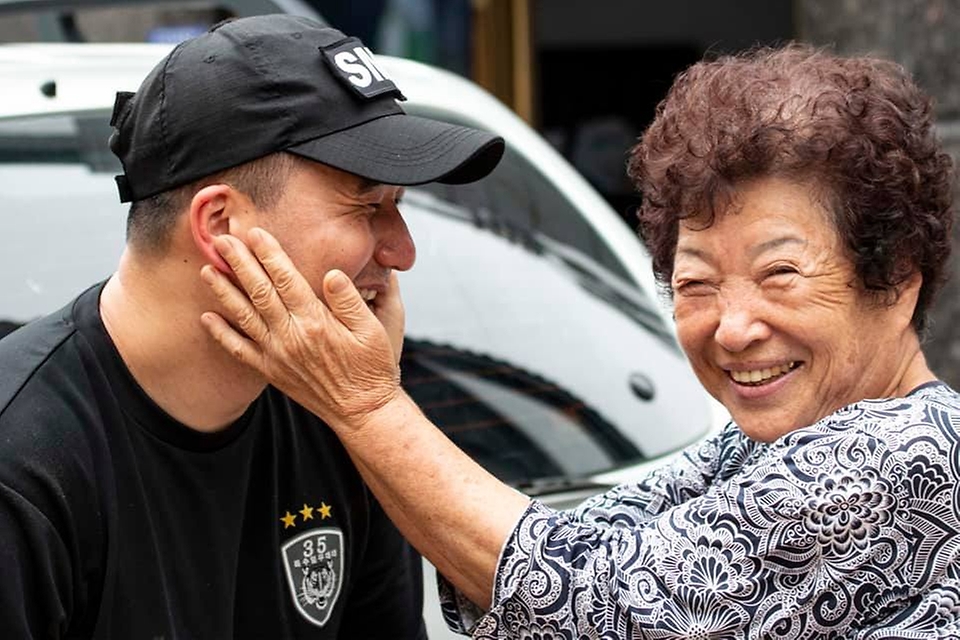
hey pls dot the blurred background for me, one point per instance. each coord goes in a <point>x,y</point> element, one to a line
<point>587,74</point>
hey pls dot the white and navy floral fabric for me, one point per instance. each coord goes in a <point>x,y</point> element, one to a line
<point>848,528</point>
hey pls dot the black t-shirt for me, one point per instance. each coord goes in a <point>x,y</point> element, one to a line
<point>116,521</point>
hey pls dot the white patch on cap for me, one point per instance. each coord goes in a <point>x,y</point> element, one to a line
<point>353,64</point>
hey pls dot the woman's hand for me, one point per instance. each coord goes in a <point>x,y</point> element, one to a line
<point>339,360</point>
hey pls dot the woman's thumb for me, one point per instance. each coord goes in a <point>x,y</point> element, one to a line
<point>344,300</point>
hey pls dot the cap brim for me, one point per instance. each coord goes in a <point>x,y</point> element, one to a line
<point>407,150</point>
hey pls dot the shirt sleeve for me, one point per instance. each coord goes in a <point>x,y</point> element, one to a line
<point>789,547</point>
<point>386,602</point>
<point>35,595</point>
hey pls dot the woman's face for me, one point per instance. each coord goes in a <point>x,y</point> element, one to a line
<point>769,314</point>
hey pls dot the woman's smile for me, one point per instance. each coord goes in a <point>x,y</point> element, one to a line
<point>760,377</point>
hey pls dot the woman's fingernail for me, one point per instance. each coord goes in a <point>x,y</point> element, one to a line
<point>337,282</point>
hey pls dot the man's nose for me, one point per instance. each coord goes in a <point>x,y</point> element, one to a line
<point>395,248</point>
<point>741,322</point>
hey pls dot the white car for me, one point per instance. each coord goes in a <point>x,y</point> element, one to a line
<point>534,336</point>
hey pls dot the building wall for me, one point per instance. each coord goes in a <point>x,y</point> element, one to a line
<point>922,36</point>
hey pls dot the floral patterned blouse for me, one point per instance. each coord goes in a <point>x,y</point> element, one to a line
<point>847,528</point>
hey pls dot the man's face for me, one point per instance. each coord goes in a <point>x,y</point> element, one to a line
<point>329,219</point>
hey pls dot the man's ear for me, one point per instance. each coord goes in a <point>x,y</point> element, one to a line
<point>214,210</point>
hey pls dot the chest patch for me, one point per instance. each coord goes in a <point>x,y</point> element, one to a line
<point>314,564</point>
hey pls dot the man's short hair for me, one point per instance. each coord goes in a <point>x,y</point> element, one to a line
<point>150,221</point>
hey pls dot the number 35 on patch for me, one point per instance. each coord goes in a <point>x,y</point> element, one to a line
<point>314,565</point>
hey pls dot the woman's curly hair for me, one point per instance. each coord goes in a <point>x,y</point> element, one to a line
<point>858,128</point>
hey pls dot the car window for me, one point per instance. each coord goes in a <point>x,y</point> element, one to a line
<point>526,341</point>
<point>517,199</point>
<point>518,203</point>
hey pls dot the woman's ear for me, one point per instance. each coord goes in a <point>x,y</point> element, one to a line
<point>908,292</point>
<point>215,210</point>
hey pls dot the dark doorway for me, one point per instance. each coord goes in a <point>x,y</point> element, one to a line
<point>595,101</point>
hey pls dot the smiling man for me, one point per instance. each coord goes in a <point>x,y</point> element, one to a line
<point>153,487</point>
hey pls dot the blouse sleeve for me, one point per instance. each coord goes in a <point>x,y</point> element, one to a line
<point>687,476</point>
<point>801,543</point>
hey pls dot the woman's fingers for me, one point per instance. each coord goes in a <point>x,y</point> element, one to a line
<point>257,287</point>
<point>345,302</point>
<point>335,358</point>
<point>237,305</point>
<point>241,348</point>
<point>293,289</point>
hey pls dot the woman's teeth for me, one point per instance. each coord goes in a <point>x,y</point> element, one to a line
<point>761,376</point>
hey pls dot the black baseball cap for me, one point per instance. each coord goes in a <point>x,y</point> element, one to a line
<point>253,86</point>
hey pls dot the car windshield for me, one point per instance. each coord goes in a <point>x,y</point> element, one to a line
<point>527,342</point>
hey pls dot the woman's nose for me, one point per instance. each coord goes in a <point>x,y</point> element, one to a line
<point>740,323</point>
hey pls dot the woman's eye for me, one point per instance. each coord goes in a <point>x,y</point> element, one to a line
<point>782,270</point>
<point>694,288</point>
<point>781,273</point>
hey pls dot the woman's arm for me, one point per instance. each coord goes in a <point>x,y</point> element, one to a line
<point>339,364</point>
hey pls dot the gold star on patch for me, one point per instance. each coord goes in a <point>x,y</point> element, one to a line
<point>288,520</point>
<point>307,513</point>
<point>324,510</point>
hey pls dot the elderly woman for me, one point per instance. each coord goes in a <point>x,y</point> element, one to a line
<point>797,207</point>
